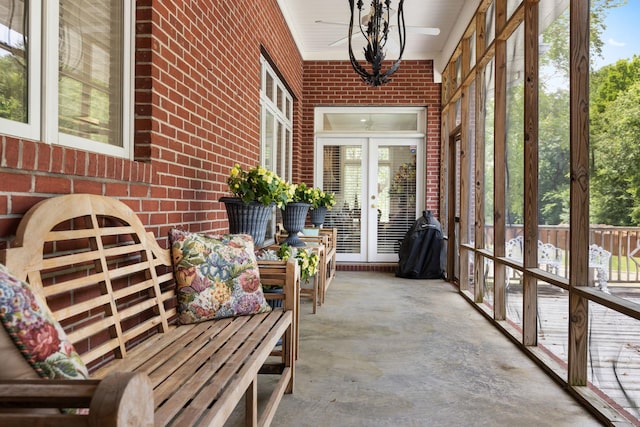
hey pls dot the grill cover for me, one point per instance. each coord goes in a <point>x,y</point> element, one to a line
<point>421,251</point>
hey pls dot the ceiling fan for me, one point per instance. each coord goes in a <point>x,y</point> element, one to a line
<point>427,31</point>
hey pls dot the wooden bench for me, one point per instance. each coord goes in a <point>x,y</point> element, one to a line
<point>111,286</point>
<point>330,254</point>
<point>318,244</point>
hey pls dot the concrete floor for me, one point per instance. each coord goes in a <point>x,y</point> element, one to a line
<point>384,351</point>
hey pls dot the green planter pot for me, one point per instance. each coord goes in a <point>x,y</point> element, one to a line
<point>248,218</point>
<point>318,215</point>
<point>293,218</point>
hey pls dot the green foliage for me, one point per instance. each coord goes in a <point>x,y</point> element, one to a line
<point>314,196</point>
<point>13,89</point>
<point>307,260</point>
<point>259,185</point>
<point>612,124</point>
<point>302,193</point>
<point>515,154</point>
<point>615,180</point>
<point>322,198</point>
<point>553,157</point>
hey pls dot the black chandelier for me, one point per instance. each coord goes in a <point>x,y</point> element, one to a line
<point>374,27</point>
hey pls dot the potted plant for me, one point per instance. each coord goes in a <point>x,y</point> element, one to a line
<point>295,212</point>
<point>255,192</point>
<point>322,201</point>
<point>307,260</point>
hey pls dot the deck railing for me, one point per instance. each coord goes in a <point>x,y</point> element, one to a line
<point>622,242</point>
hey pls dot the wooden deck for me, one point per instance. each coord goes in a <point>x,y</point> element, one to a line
<point>614,341</point>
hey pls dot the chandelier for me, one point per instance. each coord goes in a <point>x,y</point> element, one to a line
<point>374,26</point>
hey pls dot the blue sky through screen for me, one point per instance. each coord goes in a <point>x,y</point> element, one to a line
<point>622,35</point>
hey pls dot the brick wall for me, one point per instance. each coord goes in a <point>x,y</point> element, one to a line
<point>197,81</point>
<point>335,84</point>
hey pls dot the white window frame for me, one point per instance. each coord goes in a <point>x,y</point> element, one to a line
<point>30,129</point>
<point>285,143</point>
<point>43,84</point>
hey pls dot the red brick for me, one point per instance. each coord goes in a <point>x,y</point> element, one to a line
<point>8,227</point>
<point>44,157</point>
<point>28,155</point>
<point>57,158</point>
<point>52,185</point>
<point>14,182</point>
<point>138,190</point>
<point>87,186</point>
<point>21,204</point>
<point>116,189</point>
<point>11,155</point>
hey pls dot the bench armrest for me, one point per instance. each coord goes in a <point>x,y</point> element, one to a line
<point>285,275</point>
<point>120,399</point>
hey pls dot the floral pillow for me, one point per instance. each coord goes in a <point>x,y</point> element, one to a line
<point>36,334</point>
<point>216,276</point>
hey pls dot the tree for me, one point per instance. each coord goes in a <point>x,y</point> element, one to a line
<point>13,89</point>
<point>616,180</point>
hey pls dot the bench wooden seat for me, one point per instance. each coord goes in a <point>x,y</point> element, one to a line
<point>330,254</point>
<point>110,285</point>
<point>319,245</point>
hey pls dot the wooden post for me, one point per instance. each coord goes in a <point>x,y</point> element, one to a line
<point>530,249</point>
<point>579,190</point>
<point>499,183</point>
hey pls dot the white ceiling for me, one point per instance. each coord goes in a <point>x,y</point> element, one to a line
<point>314,39</point>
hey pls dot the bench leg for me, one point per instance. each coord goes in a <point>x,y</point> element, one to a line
<point>290,356</point>
<point>251,404</point>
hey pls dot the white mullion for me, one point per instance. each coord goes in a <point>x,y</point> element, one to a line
<point>128,84</point>
<point>50,37</point>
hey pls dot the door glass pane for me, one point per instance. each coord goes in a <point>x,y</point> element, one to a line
<point>488,110</point>
<point>13,61</point>
<point>490,24</point>
<point>553,145</point>
<point>469,237</point>
<point>269,85</point>
<point>456,237</point>
<point>396,199</point>
<point>279,150</point>
<point>342,174</point>
<point>614,148</point>
<point>268,158</point>
<point>514,172</point>
<point>472,50</point>
<point>90,63</point>
<point>287,155</point>
<point>512,5</point>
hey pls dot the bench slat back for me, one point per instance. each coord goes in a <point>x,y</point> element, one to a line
<point>106,280</point>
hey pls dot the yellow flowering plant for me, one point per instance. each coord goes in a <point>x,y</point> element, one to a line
<point>258,184</point>
<point>322,199</point>
<point>302,193</point>
<point>307,260</point>
<point>314,196</point>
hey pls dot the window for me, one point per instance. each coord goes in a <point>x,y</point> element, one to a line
<point>277,137</point>
<point>276,104</point>
<point>80,53</point>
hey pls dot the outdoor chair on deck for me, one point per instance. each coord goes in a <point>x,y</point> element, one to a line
<point>548,254</point>
<point>599,263</point>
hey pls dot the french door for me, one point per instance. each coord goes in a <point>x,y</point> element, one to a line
<point>379,190</point>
